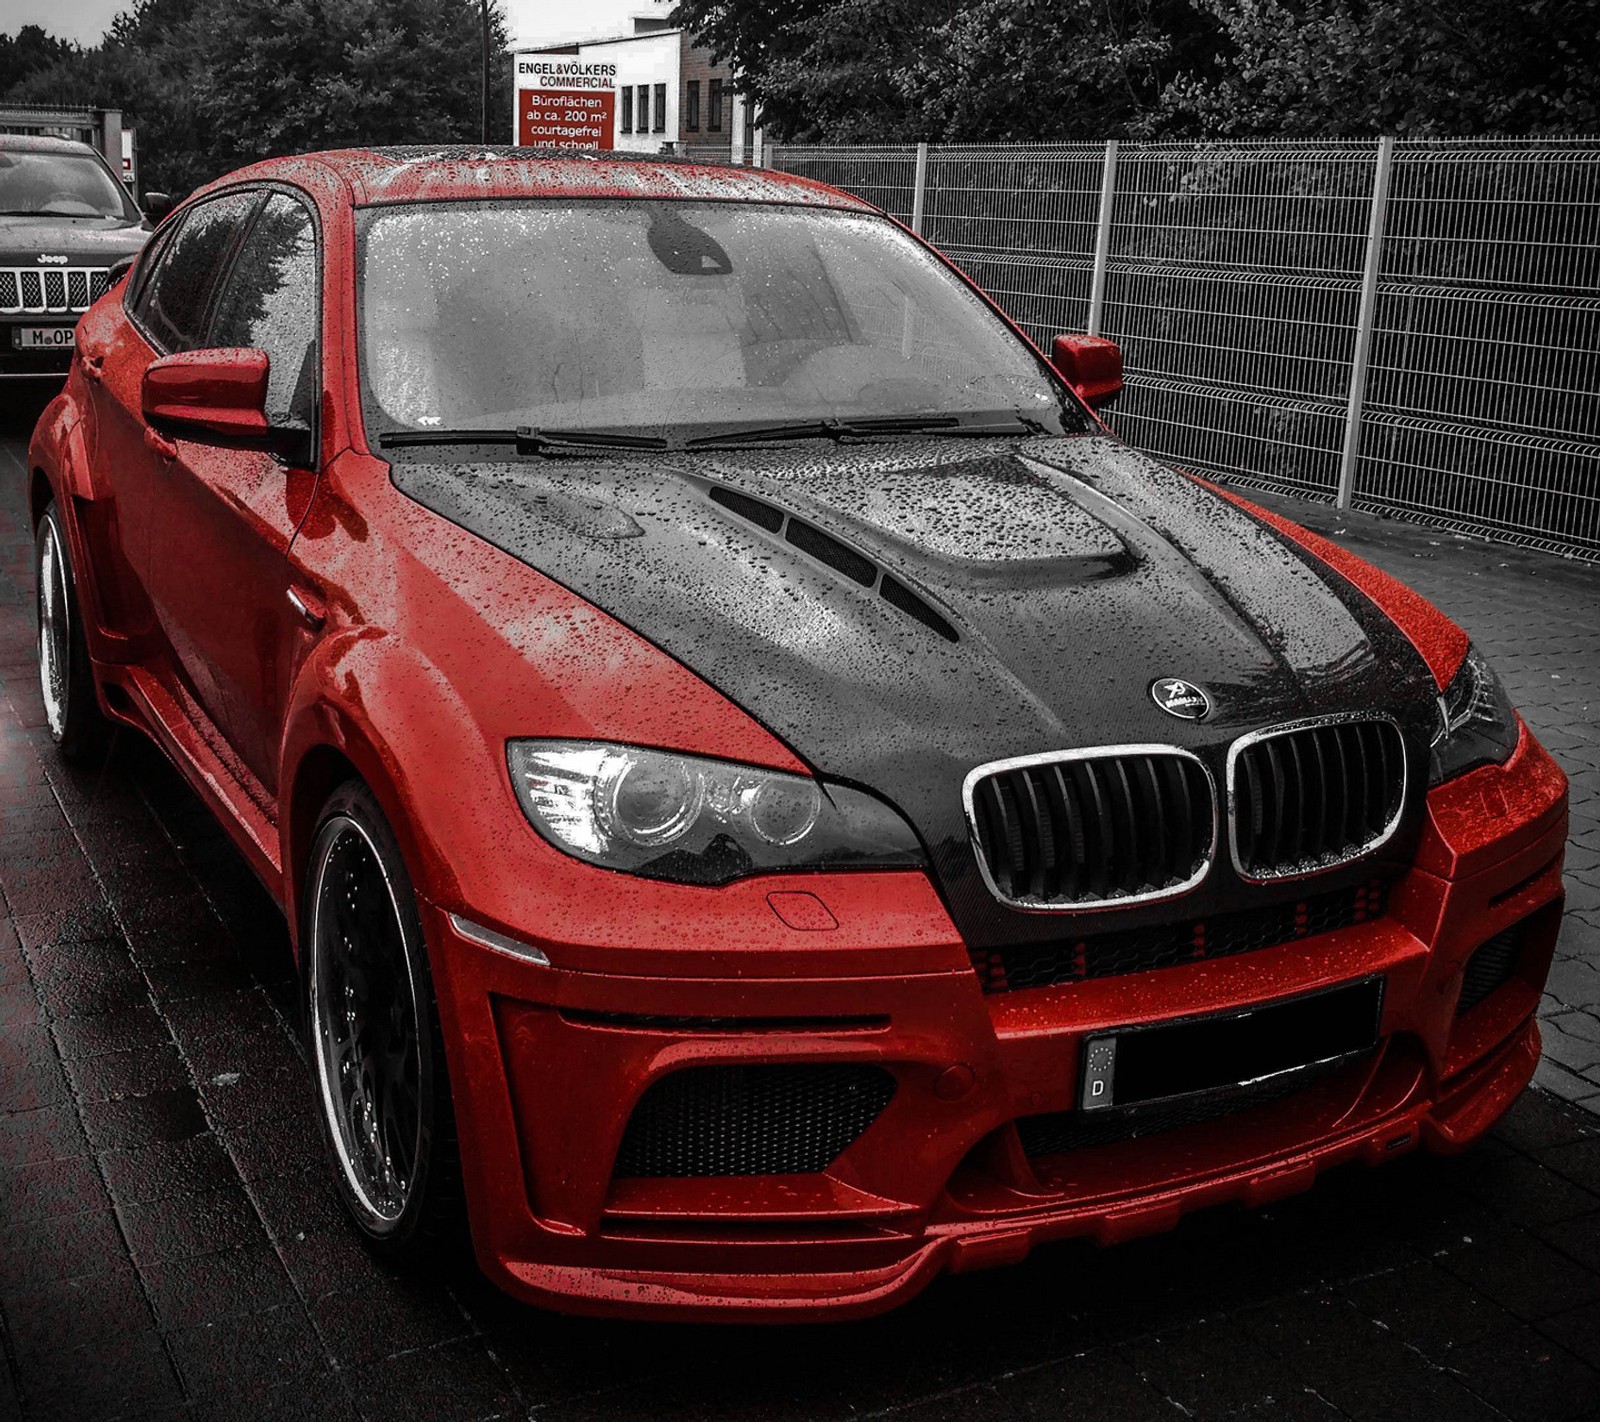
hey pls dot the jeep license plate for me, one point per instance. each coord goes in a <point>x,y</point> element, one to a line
<point>43,338</point>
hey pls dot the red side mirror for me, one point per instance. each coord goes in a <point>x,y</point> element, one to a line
<point>1091,365</point>
<point>209,396</point>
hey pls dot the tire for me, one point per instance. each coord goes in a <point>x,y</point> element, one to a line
<point>66,681</point>
<point>377,1051</point>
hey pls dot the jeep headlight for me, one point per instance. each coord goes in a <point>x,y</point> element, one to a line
<point>1477,722</point>
<point>695,820</point>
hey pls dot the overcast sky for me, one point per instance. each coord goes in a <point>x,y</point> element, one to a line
<point>83,20</point>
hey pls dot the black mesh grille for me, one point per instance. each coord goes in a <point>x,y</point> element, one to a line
<point>1491,966</point>
<point>78,290</point>
<point>32,291</point>
<point>757,512</point>
<point>897,594</point>
<point>787,1118</point>
<point>10,294</point>
<point>1063,1131</point>
<point>99,281</point>
<point>55,290</point>
<point>827,549</point>
<point>1094,830</point>
<point>1139,950</point>
<point>1308,799</point>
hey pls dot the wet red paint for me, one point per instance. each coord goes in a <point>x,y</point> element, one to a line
<point>418,651</point>
<point>1442,644</point>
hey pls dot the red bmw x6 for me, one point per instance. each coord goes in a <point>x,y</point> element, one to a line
<point>772,800</point>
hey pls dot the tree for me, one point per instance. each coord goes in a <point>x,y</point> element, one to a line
<point>1358,68</point>
<point>216,86</point>
<point>28,51</point>
<point>995,70</point>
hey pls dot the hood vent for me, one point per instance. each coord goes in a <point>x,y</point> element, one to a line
<point>897,594</point>
<point>763,515</point>
<point>830,552</point>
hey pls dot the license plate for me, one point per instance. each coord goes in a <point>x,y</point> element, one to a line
<point>43,338</point>
<point>1231,1049</point>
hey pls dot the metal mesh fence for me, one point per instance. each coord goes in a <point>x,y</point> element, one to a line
<point>1232,275</point>
<point>885,177</point>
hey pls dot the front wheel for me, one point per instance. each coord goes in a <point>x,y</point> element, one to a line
<point>66,682</point>
<point>382,1089</point>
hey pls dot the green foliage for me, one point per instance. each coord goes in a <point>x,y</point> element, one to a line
<point>1003,70</point>
<point>214,86</point>
<point>1362,67</point>
<point>27,52</point>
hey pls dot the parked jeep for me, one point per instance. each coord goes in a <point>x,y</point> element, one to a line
<point>65,223</point>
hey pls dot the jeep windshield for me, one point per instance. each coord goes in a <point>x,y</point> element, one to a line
<point>37,184</point>
<point>681,321</point>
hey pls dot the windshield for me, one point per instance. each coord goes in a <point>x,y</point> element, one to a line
<point>675,317</point>
<point>58,185</point>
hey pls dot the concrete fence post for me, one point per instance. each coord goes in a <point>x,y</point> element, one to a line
<point>919,190</point>
<point>1102,240</point>
<point>1365,316</point>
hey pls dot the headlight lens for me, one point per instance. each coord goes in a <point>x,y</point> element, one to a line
<point>1477,723</point>
<point>695,820</point>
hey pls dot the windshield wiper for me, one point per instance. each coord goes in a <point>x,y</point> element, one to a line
<point>525,439</point>
<point>865,428</point>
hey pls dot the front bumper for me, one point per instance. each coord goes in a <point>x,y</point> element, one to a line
<point>34,365</point>
<point>549,1062</point>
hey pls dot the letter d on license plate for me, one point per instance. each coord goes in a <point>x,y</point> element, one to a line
<point>43,338</point>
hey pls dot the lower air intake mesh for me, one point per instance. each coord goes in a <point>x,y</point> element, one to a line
<point>1170,945</point>
<point>789,1118</point>
<point>1491,966</point>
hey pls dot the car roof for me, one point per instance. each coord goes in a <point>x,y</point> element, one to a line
<point>444,172</point>
<point>39,143</point>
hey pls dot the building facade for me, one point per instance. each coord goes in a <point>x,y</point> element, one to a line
<point>649,90</point>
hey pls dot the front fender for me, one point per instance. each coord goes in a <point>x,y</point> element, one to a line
<point>364,700</point>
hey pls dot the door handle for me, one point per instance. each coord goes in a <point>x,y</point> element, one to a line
<point>158,443</point>
<point>93,365</point>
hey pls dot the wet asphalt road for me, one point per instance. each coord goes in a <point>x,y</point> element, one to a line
<point>170,1247</point>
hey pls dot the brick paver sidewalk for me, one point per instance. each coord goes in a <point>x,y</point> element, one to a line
<point>169,1245</point>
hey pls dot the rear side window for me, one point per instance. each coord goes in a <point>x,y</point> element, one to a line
<point>270,302</point>
<point>173,302</point>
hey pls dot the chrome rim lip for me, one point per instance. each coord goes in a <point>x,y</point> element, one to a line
<point>1023,762</point>
<point>379,1219</point>
<point>55,629</point>
<point>1361,851</point>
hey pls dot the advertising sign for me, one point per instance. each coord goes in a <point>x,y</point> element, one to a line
<point>565,102</point>
<point>566,118</point>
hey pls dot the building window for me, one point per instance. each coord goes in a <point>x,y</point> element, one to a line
<point>661,108</point>
<point>714,118</point>
<point>692,107</point>
<point>627,109</point>
<point>644,108</point>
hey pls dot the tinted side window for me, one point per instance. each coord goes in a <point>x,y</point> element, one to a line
<point>270,302</point>
<point>176,294</point>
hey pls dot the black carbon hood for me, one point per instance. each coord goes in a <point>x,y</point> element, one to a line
<point>901,612</point>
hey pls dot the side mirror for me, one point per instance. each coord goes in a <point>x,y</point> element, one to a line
<point>1091,365</point>
<point>219,397</point>
<point>158,205</point>
<point>120,268</point>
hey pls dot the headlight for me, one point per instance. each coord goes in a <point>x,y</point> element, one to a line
<point>1477,723</point>
<point>698,821</point>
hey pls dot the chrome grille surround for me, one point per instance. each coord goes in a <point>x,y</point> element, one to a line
<point>1301,866</point>
<point>997,768</point>
<point>51,291</point>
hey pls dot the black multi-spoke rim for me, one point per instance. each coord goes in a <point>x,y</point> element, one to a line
<point>364,1010</point>
<point>55,630</point>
